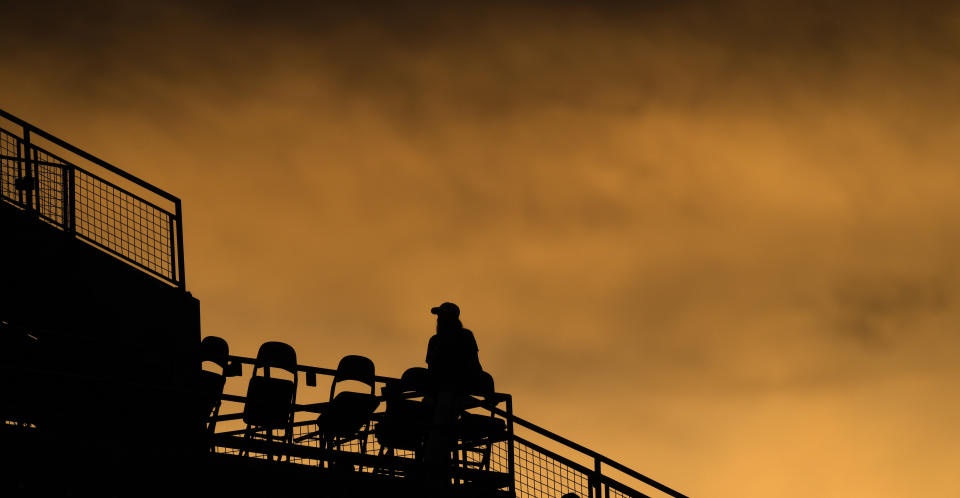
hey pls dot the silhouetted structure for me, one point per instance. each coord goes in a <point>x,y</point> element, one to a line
<point>100,392</point>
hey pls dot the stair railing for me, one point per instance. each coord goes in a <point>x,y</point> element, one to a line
<point>85,204</point>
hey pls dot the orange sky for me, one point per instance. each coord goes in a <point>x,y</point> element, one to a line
<point>730,235</point>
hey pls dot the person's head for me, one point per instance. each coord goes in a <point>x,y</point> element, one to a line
<point>448,316</point>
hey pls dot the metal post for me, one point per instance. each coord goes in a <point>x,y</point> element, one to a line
<point>65,198</point>
<point>182,280</point>
<point>597,477</point>
<point>28,178</point>
<point>20,149</point>
<point>510,443</point>
<point>72,199</point>
<point>173,253</point>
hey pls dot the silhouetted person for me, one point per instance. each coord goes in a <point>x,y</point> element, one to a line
<point>454,364</point>
<point>452,354</point>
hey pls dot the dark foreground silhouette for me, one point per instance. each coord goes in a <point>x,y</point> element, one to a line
<point>99,389</point>
<point>427,414</point>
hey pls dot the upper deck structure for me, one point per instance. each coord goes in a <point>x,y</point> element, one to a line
<point>99,345</point>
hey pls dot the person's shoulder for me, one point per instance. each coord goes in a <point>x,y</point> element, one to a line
<point>467,336</point>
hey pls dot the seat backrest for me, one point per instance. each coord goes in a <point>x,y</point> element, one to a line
<point>414,383</point>
<point>269,402</point>
<point>405,420</point>
<point>415,379</point>
<point>274,354</point>
<point>214,349</point>
<point>356,368</point>
<point>270,399</point>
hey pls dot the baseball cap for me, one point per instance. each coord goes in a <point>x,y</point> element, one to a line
<point>446,309</point>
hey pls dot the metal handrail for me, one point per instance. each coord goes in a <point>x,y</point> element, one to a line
<point>234,361</point>
<point>597,457</point>
<point>170,267</point>
<point>89,157</point>
<point>596,475</point>
<point>307,369</point>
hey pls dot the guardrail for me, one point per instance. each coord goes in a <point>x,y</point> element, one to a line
<point>532,470</point>
<point>366,453</point>
<point>84,203</point>
<point>556,475</point>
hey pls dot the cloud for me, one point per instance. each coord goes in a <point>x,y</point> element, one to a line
<point>731,229</point>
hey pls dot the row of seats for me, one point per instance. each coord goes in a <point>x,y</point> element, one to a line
<point>271,398</point>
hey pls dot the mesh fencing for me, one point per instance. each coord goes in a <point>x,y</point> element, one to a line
<point>616,493</point>
<point>97,210</point>
<point>9,165</point>
<point>501,460</point>
<point>539,475</point>
<point>124,224</point>
<point>51,186</point>
<point>367,445</point>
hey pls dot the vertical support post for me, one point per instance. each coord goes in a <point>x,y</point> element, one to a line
<point>65,198</point>
<point>597,477</point>
<point>16,180</point>
<point>181,278</point>
<point>511,469</point>
<point>28,179</point>
<point>173,249</point>
<point>72,199</point>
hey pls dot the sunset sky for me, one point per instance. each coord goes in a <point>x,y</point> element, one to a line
<point>720,244</point>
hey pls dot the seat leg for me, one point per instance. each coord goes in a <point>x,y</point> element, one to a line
<point>246,436</point>
<point>485,461</point>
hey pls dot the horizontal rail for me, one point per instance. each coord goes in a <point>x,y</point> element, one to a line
<point>89,157</point>
<point>90,207</point>
<point>308,452</point>
<point>569,463</point>
<point>489,403</point>
<point>591,453</point>
<point>607,480</point>
<point>308,369</point>
<point>596,476</point>
<point>121,189</point>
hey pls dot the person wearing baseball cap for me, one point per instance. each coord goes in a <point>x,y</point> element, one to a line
<point>453,363</point>
<point>452,354</point>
